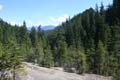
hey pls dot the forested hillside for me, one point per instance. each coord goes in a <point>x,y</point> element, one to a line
<point>89,42</point>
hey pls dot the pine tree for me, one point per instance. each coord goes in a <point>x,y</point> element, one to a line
<point>100,58</point>
<point>80,62</point>
<point>16,60</point>
<point>102,11</point>
<point>10,60</point>
<point>33,36</point>
<point>48,58</point>
<point>116,4</point>
<point>115,53</point>
<point>62,53</point>
<point>22,33</point>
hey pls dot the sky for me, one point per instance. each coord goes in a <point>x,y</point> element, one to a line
<point>44,12</point>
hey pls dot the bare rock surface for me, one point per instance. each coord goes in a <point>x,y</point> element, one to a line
<point>35,72</point>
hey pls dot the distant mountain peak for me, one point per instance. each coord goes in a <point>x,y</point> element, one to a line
<point>48,27</point>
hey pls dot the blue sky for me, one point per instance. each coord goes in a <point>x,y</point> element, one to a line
<point>43,12</point>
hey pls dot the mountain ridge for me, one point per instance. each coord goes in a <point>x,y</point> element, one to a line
<point>45,28</point>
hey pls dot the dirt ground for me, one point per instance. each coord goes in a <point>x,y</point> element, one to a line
<point>35,72</point>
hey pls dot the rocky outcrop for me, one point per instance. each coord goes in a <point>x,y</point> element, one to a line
<point>35,72</point>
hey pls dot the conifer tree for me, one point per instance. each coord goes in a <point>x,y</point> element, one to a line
<point>33,36</point>
<point>100,58</point>
<point>48,58</point>
<point>62,53</point>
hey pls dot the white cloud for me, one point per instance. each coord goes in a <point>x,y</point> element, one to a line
<point>1,7</point>
<point>12,23</point>
<point>15,23</point>
<point>63,18</point>
<point>52,19</point>
<point>29,23</point>
<point>60,19</point>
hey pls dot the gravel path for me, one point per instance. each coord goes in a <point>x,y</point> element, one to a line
<point>39,73</point>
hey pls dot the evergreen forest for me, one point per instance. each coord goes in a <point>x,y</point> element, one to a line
<point>88,42</point>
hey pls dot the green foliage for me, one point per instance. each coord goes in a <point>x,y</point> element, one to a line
<point>33,36</point>
<point>48,58</point>
<point>100,58</point>
<point>96,33</point>
<point>89,42</point>
<point>9,61</point>
<point>80,60</point>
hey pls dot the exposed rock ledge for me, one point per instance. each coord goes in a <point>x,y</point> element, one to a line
<point>35,72</point>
